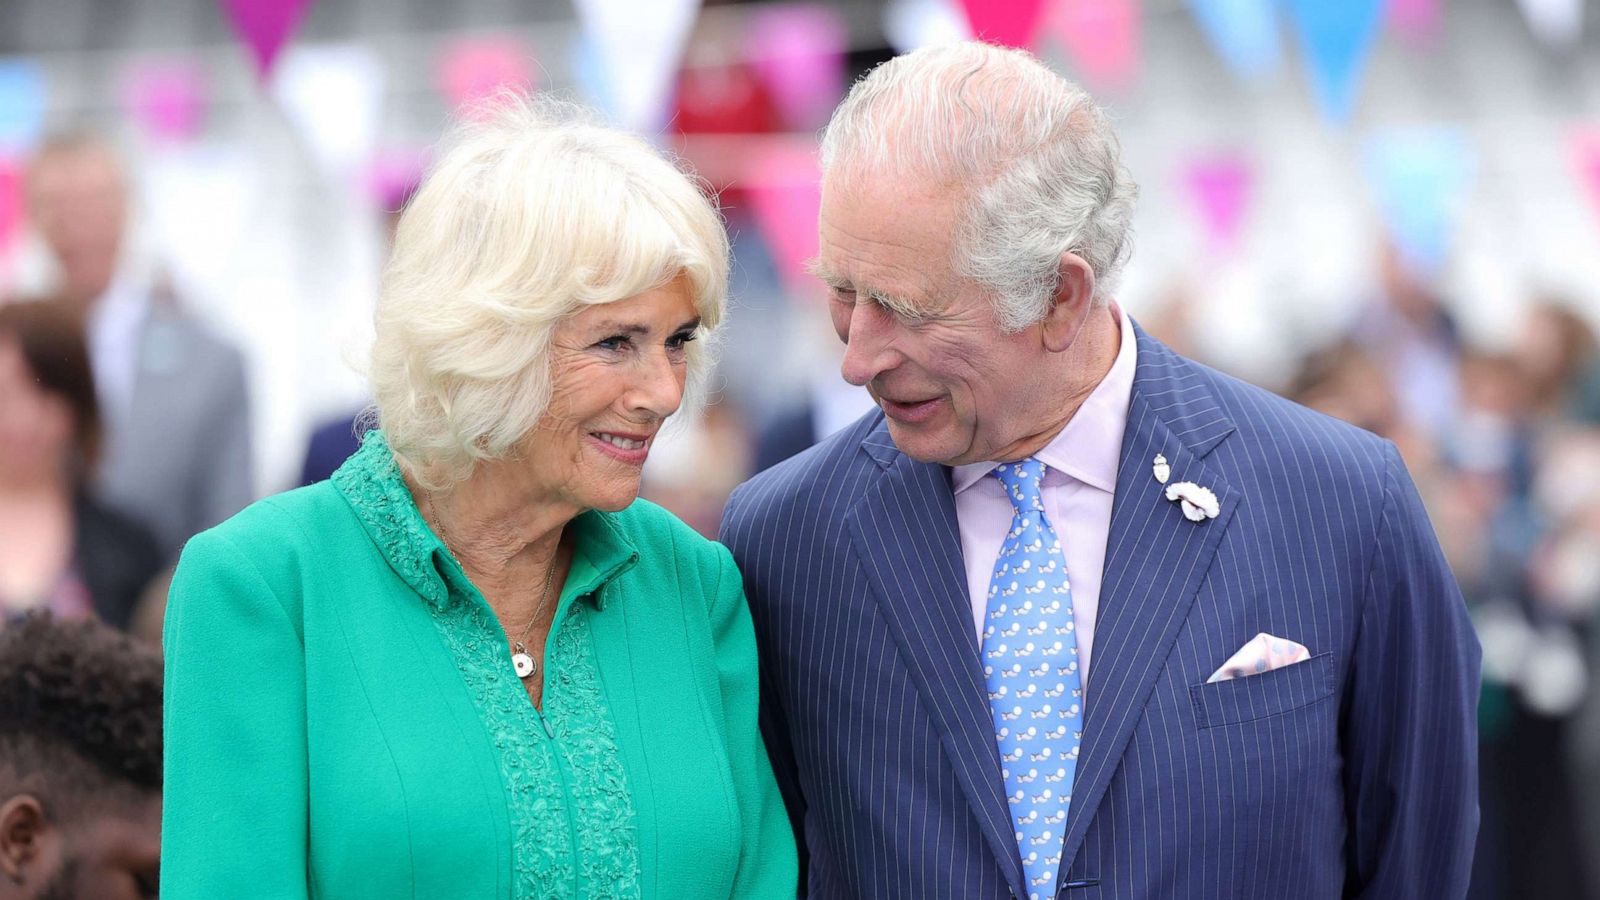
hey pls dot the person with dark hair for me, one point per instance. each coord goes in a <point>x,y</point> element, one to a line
<point>61,548</point>
<point>80,762</point>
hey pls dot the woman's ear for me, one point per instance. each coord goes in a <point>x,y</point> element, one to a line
<point>1069,304</point>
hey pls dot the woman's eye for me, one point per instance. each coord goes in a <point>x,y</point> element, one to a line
<point>679,340</point>
<point>616,342</point>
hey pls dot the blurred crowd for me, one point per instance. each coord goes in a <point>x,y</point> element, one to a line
<point>125,429</point>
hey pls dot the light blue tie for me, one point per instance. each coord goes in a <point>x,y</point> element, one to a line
<point>1030,660</point>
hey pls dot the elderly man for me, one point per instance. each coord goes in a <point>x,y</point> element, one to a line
<point>80,762</point>
<point>1070,615</point>
<point>173,396</point>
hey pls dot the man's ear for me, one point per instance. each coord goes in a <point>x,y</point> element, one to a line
<point>22,832</point>
<point>1069,304</point>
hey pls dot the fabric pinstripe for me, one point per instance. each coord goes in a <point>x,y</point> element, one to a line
<point>1350,774</point>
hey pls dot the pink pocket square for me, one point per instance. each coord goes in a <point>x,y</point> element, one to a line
<point>1263,654</point>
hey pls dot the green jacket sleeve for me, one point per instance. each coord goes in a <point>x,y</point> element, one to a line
<point>767,867</point>
<point>234,816</point>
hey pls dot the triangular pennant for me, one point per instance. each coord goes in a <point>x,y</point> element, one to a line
<point>333,95</point>
<point>1585,151</point>
<point>1220,185</point>
<point>1101,37</point>
<point>637,47</point>
<point>797,51</point>
<point>1420,177</point>
<point>167,97</point>
<point>1012,23</point>
<point>1243,32</point>
<point>912,24</point>
<point>1336,39</point>
<point>1556,22</point>
<point>472,69</point>
<point>784,187</point>
<point>1416,22</point>
<point>10,202</point>
<point>22,101</point>
<point>265,25</point>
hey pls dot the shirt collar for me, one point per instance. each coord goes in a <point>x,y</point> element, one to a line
<point>372,484</point>
<point>1090,445</point>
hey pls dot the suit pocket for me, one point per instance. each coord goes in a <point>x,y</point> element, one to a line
<point>1271,693</point>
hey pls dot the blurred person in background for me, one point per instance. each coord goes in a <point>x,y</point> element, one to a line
<point>61,547</point>
<point>471,664</point>
<point>173,396</point>
<point>1412,334</point>
<point>80,763</point>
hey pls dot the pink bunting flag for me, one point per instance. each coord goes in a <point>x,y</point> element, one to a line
<point>1585,149</point>
<point>393,176</point>
<point>10,202</point>
<point>784,186</point>
<point>265,25</point>
<point>167,98</point>
<point>797,51</point>
<point>1416,22</point>
<point>1013,23</point>
<point>473,69</point>
<point>1220,186</point>
<point>1101,36</point>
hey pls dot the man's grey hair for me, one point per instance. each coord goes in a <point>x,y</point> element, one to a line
<point>1034,155</point>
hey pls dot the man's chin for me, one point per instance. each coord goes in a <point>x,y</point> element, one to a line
<point>923,443</point>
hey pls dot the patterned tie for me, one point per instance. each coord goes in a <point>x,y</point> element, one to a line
<point>1030,659</point>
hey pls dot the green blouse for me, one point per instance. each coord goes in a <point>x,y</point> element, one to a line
<point>342,719</point>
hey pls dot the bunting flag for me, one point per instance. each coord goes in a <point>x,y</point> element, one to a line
<point>798,54</point>
<point>1220,185</point>
<point>22,96</point>
<point>1556,22</point>
<point>333,94</point>
<point>1243,32</point>
<point>1585,151</point>
<point>10,203</point>
<point>1336,39</point>
<point>636,50</point>
<point>912,24</point>
<point>784,187</point>
<point>1101,37</point>
<point>167,97</point>
<point>393,176</point>
<point>473,69</point>
<point>265,26</point>
<point>1420,177</point>
<point>1013,23</point>
<point>1415,22</point>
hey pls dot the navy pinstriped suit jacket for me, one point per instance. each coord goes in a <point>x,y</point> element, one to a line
<point>1350,774</point>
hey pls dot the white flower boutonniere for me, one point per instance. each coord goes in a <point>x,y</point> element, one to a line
<point>1198,502</point>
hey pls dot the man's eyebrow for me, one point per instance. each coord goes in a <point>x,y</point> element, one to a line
<point>818,270</point>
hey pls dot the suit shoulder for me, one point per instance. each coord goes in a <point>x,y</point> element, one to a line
<point>281,525</point>
<point>813,473</point>
<point>1286,434</point>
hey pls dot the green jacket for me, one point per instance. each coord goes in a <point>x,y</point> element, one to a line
<point>342,719</point>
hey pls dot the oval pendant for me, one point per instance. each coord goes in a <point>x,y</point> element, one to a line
<point>523,664</point>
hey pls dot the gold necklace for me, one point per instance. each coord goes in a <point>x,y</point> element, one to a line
<point>522,662</point>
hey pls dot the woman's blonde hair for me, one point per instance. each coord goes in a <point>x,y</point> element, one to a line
<point>533,211</point>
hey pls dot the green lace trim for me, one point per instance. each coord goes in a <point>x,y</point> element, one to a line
<point>569,789</point>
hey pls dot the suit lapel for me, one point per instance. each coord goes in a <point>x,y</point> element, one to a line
<point>1155,561</point>
<point>905,535</point>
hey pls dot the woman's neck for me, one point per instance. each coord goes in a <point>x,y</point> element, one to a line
<point>498,527</point>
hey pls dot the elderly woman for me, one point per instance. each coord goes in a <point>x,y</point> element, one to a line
<point>472,664</point>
